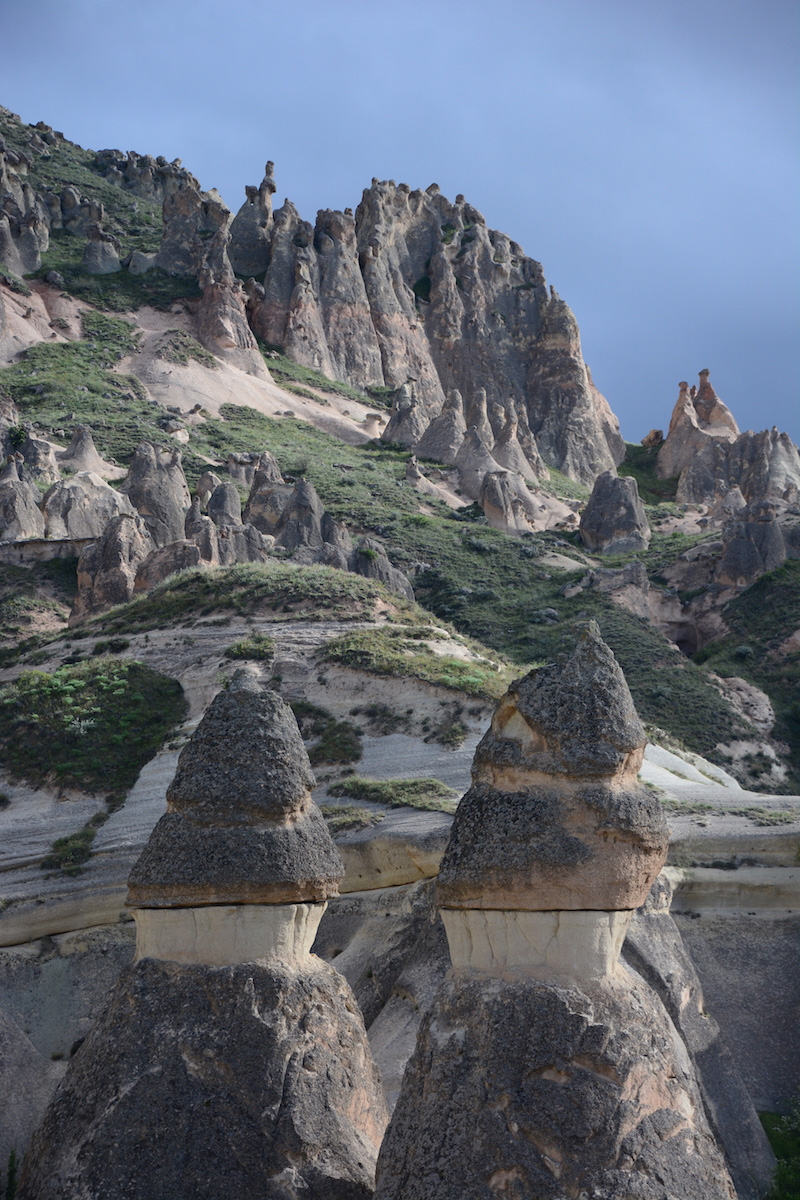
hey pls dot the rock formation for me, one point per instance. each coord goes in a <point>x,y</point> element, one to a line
<point>107,568</point>
<point>509,504</point>
<point>24,224</point>
<point>224,505</point>
<point>81,454</point>
<point>753,543</point>
<point>101,256</point>
<point>698,417</point>
<point>20,516</point>
<point>370,560</point>
<point>442,439</point>
<point>544,1068</point>
<point>82,506</point>
<point>473,462</point>
<point>251,1051</point>
<point>415,290</point>
<point>157,488</point>
<point>764,466</point>
<point>252,226</point>
<point>614,520</point>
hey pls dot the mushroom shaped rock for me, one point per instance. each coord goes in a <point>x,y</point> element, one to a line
<point>240,826</point>
<point>555,819</point>
<point>614,520</point>
<point>408,419</point>
<point>243,1055</point>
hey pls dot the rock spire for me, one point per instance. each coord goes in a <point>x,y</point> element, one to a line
<point>544,1067</point>
<point>226,1023</point>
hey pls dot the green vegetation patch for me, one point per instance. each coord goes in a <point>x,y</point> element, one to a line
<point>403,652</point>
<point>59,385</point>
<point>345,818</point>
<point>429,794</point>
<point>292,592</point>
<point>285,371</point>
<point>259,647</point>
<point>92,725</point>
<point>760,619</point>
<point>753,812</point>
<point>784,1137</point>
<point>640,464</point>
<point>334,742</point>
<point>178,346</point>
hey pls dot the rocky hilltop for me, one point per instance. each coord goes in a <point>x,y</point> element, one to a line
<point>365,458</point>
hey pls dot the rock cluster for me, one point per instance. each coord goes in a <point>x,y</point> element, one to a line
<point>705,448</point>
<point>252,1050</point>
<point>544,1067</point>
<point>413,292</point>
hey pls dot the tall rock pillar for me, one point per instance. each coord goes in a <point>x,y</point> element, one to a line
<point>229,1063</point>
<point>545,1068</point>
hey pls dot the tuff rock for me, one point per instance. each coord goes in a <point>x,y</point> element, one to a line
<point>156,486</point>
<point>614,520</point>
<point>255,1047</point>
<point>107,568</point>
<point>20,516</point>
<point>82,506</point>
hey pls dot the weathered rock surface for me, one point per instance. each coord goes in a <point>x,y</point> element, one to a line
<point>699,417</point>
<point>82,506</point>
<point>509,504</point>
<point>101,256</point>
<point>265,1074</point>
<point>752,545</point>
<point>614,520</point>
<point>521,1088</point>
<point>157,488</point>
<point>20,516</point>
<point>442,439</point>
<point>764,466</point>
<point>251,228</point>
<point>231,836</point>
<point>370,560</point>
<point>165,561</point>
<point>224,505</point>
<point>81,454</point>
<point>552,778</point>
<point>107,568</point>
<point>416,292</point>
<point>39,461</point>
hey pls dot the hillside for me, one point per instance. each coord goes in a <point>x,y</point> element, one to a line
<point>365,458</point>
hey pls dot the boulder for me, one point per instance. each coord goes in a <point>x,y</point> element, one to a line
<point>82,506</point>
<point>101,255</point>
<point>205,486</point>
<point>614,520</point>
<point>156,486</point>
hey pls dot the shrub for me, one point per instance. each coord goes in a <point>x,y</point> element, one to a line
<point>429,794</point>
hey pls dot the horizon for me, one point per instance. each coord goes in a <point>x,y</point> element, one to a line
<point>648,161</point>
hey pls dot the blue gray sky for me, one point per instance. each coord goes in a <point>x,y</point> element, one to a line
<point>645,151</point>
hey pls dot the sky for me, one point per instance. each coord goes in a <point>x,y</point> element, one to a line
<point>644,151</point>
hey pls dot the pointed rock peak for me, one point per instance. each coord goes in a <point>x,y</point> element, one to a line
<point>245,762</point>
<point>574,717</point>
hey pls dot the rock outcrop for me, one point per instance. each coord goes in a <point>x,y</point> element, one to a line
<point>753,544</point>
<point>157,488</point>
<point>699,416</point>
<point>614,520</point>
<point>82,506</point>
<point>24,224</point>
<point>255,1048</point>
<point>764,466</point>
<point>544,1068</point>
<point>101,255</point>
<point>20,516</point>
<point>416,291</point>
<point>107,568</point>
<point>442,439</point>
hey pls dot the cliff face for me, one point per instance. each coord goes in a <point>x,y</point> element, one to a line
<point>415,290</point>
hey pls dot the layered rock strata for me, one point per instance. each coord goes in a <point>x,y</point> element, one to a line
<point>544,1068</point>
<point>254,1048</point>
